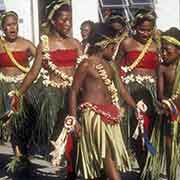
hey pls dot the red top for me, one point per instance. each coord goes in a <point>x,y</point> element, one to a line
<point>64,58</point>
<point>20,56</point>
<point>149,61</point>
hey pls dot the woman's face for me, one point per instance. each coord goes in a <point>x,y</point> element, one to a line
<point>85,31</point>
<point>144,31</point>
<point>170,53</point>
<point>63,23</point>
<point>10,27</point>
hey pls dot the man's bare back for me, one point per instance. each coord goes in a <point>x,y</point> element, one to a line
<point>93,89</point>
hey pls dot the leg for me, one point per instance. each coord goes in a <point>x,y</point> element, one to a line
<point>168,155</point>
<point>110,169</point>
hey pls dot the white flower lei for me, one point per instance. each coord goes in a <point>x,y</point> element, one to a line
<point>138,78</point>
<point>12,79</point>
<point>67,80</point>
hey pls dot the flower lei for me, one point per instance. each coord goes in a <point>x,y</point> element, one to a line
<point>138,78</point>
<point>109,83</point>
<point>139,59</point>
<point>12,79</point>
<point>67,80</point>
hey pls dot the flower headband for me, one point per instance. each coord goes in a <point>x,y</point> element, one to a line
<point>8,13</point>
<point>141,16</point>
<point>105,42</point>
<point>171,40</point>
<point>55,5</point>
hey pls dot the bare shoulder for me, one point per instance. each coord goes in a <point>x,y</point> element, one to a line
<point>25,41</point>
<point>75,42</point>
<point>127,42</point>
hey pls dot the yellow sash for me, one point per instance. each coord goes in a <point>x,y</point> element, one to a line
<point>139,58</point>
<point>11,57</point>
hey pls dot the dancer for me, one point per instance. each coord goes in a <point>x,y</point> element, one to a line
<point>138,70</point>
<point>58,53</point>
<point>100,142</point>
<point>166,133</point>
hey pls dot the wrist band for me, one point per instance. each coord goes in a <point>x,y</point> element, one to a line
<point>70,122</point>
<point>14,93</point>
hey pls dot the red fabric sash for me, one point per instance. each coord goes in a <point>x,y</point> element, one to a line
<point>109,112</point>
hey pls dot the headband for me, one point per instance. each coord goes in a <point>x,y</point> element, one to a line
<point>171,40</point>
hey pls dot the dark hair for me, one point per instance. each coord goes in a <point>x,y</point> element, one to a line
<point>102,31</point>
<point>7,14</point>
<point>145,15</point>
<point>90,23</point>
<point>64,7</point>
<point>116,18</point>
<point>173,32</point>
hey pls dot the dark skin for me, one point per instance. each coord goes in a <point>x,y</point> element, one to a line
<point>167,76</point>
<point>93,90</point>
<point>15,43</point>
<point>137,42</point>
<point>58,39</point>
<point>144,31</point>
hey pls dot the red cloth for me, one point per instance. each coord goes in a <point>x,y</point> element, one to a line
<point>68,152</point>
<point>109,112</point>
<point>149,61</point>
<point>20,56</point>
<point>64,58</point>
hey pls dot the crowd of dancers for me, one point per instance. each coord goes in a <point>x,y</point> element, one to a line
<point>104,103</point>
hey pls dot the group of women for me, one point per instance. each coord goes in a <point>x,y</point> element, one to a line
<point>39,95</point>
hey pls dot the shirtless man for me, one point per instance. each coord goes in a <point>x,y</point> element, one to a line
<point>100,144</point>
<point>168,92</point>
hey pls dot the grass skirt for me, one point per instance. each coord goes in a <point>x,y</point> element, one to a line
<point>51,115</point>
<point>97,137</point>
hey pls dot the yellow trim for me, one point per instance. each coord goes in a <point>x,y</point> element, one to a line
<point>171,40</point>
<point>13,60</point>
<point>140,57</point>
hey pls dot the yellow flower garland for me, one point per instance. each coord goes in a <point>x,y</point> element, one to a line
<point>110,84</point>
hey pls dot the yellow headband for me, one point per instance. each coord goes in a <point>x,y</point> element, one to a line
<point>106,42</point>
<point>8,13</point>
<point>171,40</point>
<point>57,5</point>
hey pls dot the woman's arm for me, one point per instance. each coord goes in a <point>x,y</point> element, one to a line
<point>33,73</point>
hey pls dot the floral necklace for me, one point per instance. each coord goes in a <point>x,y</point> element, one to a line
<point>67,80</point>
<point>109,83</point>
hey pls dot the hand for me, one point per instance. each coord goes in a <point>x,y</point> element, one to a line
<point>139,114</point>
<point>165,109</point>
<point>78,129</point>
<point>15,103</point>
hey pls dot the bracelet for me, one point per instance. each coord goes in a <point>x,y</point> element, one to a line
<point>173,106</point>
<point>14,93</point>
<point>166,102</point>
<point>70,122</point>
